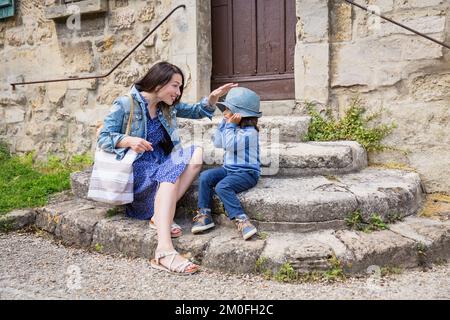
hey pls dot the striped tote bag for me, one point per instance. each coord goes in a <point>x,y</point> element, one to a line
<point>111,179</point>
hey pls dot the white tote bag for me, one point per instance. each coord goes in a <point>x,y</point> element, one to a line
<point>111,179</point>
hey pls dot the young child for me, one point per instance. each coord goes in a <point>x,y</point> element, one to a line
<point>237,134</point>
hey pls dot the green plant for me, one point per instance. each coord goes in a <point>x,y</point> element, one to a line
<point>377,223</point>
<point>422,254</point>
<point>267,274</point>
<point>259,216</point>
<point>355,221</point>
<point>336,272</point>
<point>386,271</point>
<point>260,264</point>
<point>286,273</point>
<point>6,225</point>
<point>112,212</point>
<point>353,126</point>
<point>98,247</point>
<point>4,151</point>
<point>261,268</point>
<point>262,235</point>
<point>393,217</point>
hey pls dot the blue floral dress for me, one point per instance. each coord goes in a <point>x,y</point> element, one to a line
<point>154,167</point>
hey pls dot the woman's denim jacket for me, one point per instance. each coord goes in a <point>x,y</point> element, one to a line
<point>116,121</point>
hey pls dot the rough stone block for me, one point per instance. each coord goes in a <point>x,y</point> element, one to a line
<point>77,227</point>
<point>14,115</point>
<point>304,252</point>
<point>313,16</point>
<point>125,236</point>
<point>78,56</point>
<point>228,252</point>
<point>382,248</point>
<point>341,21</point>
<point>17,219</point>
<point>122,18</point>
<point>81,7</point>
<point>312,72</point>
<point>79,182</point>
<point>49,217</point>
<point>386,192</point>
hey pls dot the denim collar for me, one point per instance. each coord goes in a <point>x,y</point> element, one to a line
<point>138,96</point>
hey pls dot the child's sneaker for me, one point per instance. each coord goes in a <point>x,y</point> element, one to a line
<point>245,227</point>
<point>202,221</point>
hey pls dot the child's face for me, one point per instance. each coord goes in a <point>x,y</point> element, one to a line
<point>227,113</point>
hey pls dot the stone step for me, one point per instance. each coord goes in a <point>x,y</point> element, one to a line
<point>312,203</point>
<point>293,159</point>
<point>323,202</point>
<point>272,128</point>
<point>296,159</point>
<point>81,223</point>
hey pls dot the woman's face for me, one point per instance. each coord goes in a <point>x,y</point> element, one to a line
<point>227,113</point>
<point>171,91</point>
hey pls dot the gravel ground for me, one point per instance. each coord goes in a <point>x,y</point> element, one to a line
<point>34,267</point>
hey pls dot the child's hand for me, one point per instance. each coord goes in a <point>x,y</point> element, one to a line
<point>235,118</point>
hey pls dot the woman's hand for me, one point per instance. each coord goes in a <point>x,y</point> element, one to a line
<point>220,91</point>
<point>235,118</point>
<point>139,145</point>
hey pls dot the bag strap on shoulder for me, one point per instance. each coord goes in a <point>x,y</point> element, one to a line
<point>130,119</point>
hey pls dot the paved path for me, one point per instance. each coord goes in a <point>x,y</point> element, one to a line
<point>34,267</point>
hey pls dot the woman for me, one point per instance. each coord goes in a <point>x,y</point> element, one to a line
<point>163,171</point>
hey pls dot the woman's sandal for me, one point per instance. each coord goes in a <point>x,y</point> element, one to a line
<point>179,269</point>
<point>175,229</point>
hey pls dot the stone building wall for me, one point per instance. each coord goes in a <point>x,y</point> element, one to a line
<point>340,54</point>
<point>60,118</point>
<point>406,75</point>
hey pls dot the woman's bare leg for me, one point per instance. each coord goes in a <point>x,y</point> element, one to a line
<point>190,172</point>
<point>186,178</point>
<point>165,205</point>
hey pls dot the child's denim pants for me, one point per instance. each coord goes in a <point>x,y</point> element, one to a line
<point>226,184</point>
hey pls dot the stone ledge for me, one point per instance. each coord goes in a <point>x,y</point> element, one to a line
<point>325,199</point>
<point>85,6</point>
<point>17,219</point>
<point>313,203</point>
<point>78,222</point>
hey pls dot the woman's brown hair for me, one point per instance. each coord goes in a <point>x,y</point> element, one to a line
<point>159,75</point>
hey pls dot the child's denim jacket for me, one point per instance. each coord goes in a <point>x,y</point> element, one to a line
<point>241,147</point>
<point>115,123</point>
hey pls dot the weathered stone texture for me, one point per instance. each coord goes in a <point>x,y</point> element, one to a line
<point>387,66</point>
<point>341,52</point>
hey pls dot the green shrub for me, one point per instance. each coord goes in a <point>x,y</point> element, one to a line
<point>286,273</point>
<point>353,126</point>
<point>355,221</point>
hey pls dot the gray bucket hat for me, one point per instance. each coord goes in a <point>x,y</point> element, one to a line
<point>241,100</point>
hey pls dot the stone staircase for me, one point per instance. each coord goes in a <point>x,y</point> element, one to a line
<point>300,206</point>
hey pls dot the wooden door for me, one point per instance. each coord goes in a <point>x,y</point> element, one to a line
<point>253,44</point>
